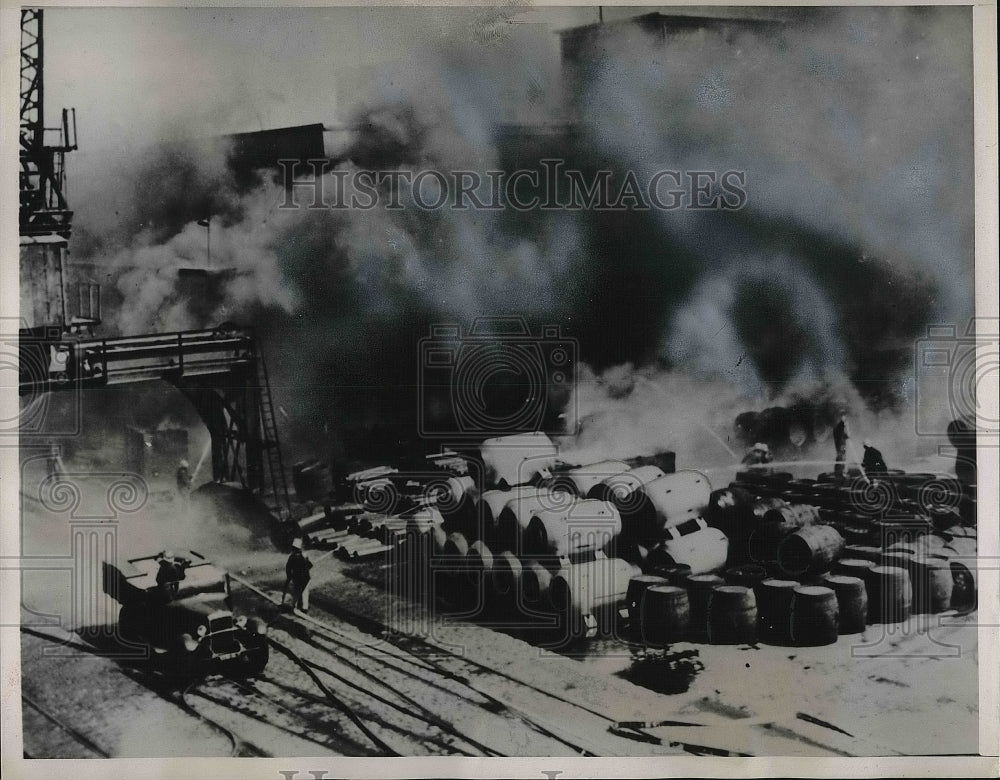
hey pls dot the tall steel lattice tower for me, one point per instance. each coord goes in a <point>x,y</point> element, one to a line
<point>45,216</point>
<point>44,210</point>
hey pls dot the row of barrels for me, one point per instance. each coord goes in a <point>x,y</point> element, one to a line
<point>776,611</point>
<point>940,498</point>
<point>756,526</point>
<point>791,538</point>
<point>857,593</point>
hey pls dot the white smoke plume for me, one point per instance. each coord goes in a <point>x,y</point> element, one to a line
<point>853,128</point>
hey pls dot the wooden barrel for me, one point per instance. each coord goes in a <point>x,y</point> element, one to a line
<point>853,567</point>
<point>789,518</point>
<point>814,616</point>
<point>506,575</point>
<point>896,558</point>
<point>674,573</point>
<point>890,595</point>
<point>586,525</point>
<point>803,490</point>
<point>763,548</point>
<point>764,505</point>
<point>864,552</point>
<point>810,550</point>
<point>965,589</point>
<point>582,592</point>
<point>932,583</point>
<point>665,615</point>
<point>774,603</point>
<point>732,615</point>
<point>633,598</point>
<point>855,535</point>
<point>699,587</point>
<point>892,530</point>
<point>852,601</point>
<point>748,576</point>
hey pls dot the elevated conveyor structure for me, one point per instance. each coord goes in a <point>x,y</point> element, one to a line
<point>222,372</point>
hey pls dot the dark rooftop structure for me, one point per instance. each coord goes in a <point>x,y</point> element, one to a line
<point>663,26</point>
<point>583,47</point>
<point>261,150</point>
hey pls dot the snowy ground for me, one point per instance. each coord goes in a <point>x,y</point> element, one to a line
<point>444,686</point>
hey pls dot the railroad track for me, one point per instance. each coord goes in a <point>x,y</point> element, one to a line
<point>78,736</point>
<point>370,693</point>
<point>151,683</point>
<point>474,684</point>
<point>407,661</point>
<point>241,748</point>
<point>246,707</point>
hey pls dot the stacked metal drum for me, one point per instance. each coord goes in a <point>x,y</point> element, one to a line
<point>625,548</point>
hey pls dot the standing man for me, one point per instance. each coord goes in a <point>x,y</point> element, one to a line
<point>55,462</point>
<point>873,463</point>
<point>184,480</point>
<point>169,575</point>
<point>297,575</point>
<point>840,437</point>
<point>758,455</point>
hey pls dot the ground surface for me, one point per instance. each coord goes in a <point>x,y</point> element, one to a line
<point>366,673</point>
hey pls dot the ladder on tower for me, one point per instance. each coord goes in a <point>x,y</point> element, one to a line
<point>275,490</point>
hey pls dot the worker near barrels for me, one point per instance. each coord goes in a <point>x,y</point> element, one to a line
<point>840,437</point>
<point>758,455</point>
<point>873,464</point>
<point>184,480</point>
<point>297,577</point>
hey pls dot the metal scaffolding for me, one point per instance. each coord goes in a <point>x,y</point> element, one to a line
<point>44,209</point>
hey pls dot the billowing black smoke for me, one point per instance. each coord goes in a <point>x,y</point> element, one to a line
<point>854,234</point>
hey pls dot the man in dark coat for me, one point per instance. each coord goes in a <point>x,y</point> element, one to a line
<point>873,463</point>
<point>184,479</point>
<point>169,575</point>
<point>297,576</point>
<point>840,437</point>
